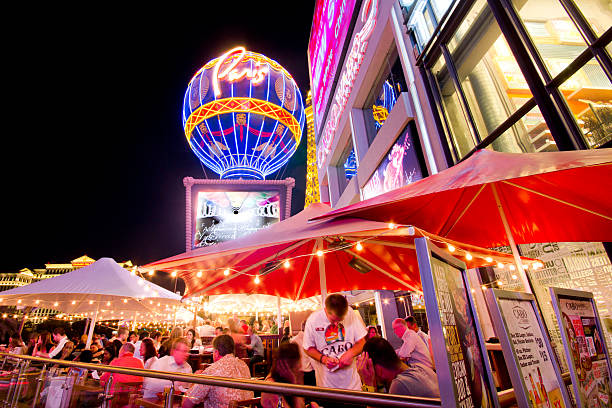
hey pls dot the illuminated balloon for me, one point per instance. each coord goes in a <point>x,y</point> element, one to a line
<point>243,115</point>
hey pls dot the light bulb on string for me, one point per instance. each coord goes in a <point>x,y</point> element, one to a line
<point>514,277</point>
<point>489,259</point>
<point>151,272</point>
<point>391,225</point>
<point>319,253</point>
<point>226,272</point>
<point>199,274</point>
<point>173,274</point>
<point>451,248</point>
<point>468,256</point>
<point>512,267</point>
<point>257,279</point>
<point>359,247</point>
<point>287,264</point>
<point>500,265</point>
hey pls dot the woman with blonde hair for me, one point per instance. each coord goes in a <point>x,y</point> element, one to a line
<point>166,346</point>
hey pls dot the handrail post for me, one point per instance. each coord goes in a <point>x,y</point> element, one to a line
<point>20,379</point>
<point>39,383</point>
<point>3,363</point>
<point>107,392</point>
<point>169,400</point>
<point>12,383</point>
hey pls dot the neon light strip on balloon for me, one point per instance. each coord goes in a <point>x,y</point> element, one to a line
<point>247,105</point>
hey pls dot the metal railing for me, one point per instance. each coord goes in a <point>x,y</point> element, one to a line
<point>315,393</point>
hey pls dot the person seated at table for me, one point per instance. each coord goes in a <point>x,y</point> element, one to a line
<point>218,331</point>
<point>176,362</point>
<point>286,335</point>
<point>255,346</point>
<point>60,338</point>
<point>164,349</point>
<point>16,346</point>
<point>156,336</point>
<point>86,356</point>
<point>80,345</point>
<point>44,342</point>
<point>126,359</point>
<point>244,326</point>
<point>97,353</point>
<point>239,338</point>
<point>206,330</point>
<point>110,353</point>
<point>380,364</point>
<point>225,365</point>
<point>141,336</point>
<point>372,332</point>
<point>193,340</point>
<point>413,350</point>
<point>265,327</point>
<point>286,368</point>
<point>148,354</point>
<point>31,343</point>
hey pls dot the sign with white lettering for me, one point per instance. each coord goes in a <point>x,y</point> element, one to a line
<point>531,363</point>
<point>585,347</point>
<point>462,365</point>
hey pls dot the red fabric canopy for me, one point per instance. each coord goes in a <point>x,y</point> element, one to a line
<point>555,196</point>
<point>387,260</point>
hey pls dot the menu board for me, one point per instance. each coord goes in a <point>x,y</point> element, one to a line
<point>585,347</point>
<point>461,364</point>
<point>535,374</point>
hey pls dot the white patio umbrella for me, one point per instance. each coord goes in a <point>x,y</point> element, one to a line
<point>102,290</point>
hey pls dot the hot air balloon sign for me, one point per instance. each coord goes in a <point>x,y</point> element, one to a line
<point>243,115</point>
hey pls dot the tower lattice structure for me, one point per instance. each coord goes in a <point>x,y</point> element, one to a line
<point>312,177</point>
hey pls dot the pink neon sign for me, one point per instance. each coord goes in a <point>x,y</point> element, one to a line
<point>345,84</point>
<point>329,29</point>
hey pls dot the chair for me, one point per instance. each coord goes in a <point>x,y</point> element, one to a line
<point>251,403</point>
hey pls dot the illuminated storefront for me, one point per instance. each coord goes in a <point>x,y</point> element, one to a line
<point>423,84</point>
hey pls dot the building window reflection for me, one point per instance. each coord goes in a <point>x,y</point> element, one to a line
<point>384,95</point>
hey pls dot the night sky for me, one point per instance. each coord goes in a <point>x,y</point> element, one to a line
<point>93,148</point>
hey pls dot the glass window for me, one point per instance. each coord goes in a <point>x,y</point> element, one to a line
<point>589,96</point>
<point>425,17</point>
<point>528,134</point>
<point>457,122</point>
<point>555,36</point>
<point>598,13</point>
<point>493,83</point>
<point>347,166</point>
<point>384,95</point>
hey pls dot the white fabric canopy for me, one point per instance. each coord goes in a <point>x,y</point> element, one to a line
<point>103,287</point>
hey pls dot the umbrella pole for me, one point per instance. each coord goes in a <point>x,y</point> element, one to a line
<point>513,247</point>
<point>91,329</point>
<point>279,316</point>
<point>322,277</point>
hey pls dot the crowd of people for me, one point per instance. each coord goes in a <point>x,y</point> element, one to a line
<point>333,349</point>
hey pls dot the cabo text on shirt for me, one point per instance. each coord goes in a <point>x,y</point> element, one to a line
<point>334,340</point>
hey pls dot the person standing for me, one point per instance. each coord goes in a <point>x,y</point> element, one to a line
<point>305,360</point>
<point>413,350</point>
<point>333,337</point>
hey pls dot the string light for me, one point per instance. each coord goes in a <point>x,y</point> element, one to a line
<point>107,303</point>
<point>512,267</point>
<point>173,274</point>
<point>151,272</point>
<point>500,265</point>
<point>287,264</point>
<point>499,283</point>
<point>525,267</point>
<point>451,248</point>
<point>319,253</point>
<point>359,247</point>
<point>124,300</point>
<point>55,304</point>
<point>73,302</point>
<point>226,272</point>
<point>468,256</point>
<point>91,302</point>
<point>484,287</point>
<point>391,225</point>
<point>199,274</point>
<point>37,301</point>
<point>257,279</point>
<point>19,301</point>
<point>514,277</point>
<point>489,259</point>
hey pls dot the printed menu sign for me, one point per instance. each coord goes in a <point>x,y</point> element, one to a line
<point>543,388</point>
<point>587,349</point>
<point>462,345</point>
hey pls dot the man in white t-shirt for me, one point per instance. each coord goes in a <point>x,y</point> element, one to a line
<point>413,350</point>
<point>206,330</point>
<point>333,337</point>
